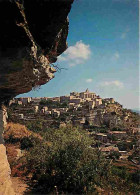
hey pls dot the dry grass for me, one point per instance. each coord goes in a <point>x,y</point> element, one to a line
<point>18,131</point>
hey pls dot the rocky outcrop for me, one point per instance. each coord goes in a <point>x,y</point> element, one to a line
<point>5,181</point>
<point>33,33</point>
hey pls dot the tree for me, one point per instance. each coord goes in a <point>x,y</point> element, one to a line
<point>114,155</point>
<point>68,163</point>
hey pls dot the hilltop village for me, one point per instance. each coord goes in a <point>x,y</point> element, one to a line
<point>78,108</point>
<point>114,128</point>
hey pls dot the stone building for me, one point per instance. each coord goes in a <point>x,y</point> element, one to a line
<point>36,109</point>
<point>109,100</point>
<point>19,102</point>
<point>55,113</point>
<point>98,101</point>
<point>71,105</point>
<point>21,116</point>
<point>45,108</point>
<point>75,100</point>
<point>54,99</point>
<point>64,99</point>
<point>91,104</point>
<point>48,112</point>
<point>117,134</point>
<point>87,94</point>
<point>36,100</point>
<point>101,137</point>
<point>62,110</point>
<point>108,150</point>
<point>25,100</point>
<point>76,94</point>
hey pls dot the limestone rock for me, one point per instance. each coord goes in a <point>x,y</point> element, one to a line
<point>32,35</point>
<point>5,181</point>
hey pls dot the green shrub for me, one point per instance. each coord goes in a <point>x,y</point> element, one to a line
<point>53,104</point>
<point>28,142</point>
<point>12,140</point>
<point>67,163</point>
<point>35,126</point>
<point>115,155</point>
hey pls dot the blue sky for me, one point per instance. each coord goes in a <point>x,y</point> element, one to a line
<point>103,53</point>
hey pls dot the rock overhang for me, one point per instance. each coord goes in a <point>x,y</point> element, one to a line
<point>27,54</point>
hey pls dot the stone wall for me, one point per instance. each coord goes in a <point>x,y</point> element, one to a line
<point>5,181</point>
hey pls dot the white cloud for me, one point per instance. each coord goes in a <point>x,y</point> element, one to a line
<point>112,84</point>
<point>89,80</point>
<point>76,54</point>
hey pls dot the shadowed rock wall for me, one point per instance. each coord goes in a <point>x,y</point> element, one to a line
<point>33,33</point>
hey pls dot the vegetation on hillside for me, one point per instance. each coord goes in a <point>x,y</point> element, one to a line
<point>65,163</point>
<point>53,104</point>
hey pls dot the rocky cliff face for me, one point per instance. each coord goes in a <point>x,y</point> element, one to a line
<point>33,33</point>
<point>5,181</point>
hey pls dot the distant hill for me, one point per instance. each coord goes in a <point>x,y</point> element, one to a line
<point>137,110</point>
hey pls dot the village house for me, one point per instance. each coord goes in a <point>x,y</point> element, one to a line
<point>25,100</point>
<point>21,116</point>
<point>109,100</point>
<point>45,108</point>
<point>75,100</point>
<point>44,98</point>
<point>19,102</point>
<point>48,112</point>
<point>74,106</point>
<point>76,94</point>
<point>125,155</point>
<point>77,106</point>
<point>101,137</point>
<point>36,108</point>
<point>117,134</point>
<point>42,111</point>
<point>55,113</point>
<point>108,150</point>
<point>71,105</point>
<point>54,99</point>
<point>80,121</point>
<point>91,104</point>
<point>87,99</point>
<point>98,101</point>
<point>62,110</point>
<point>36,100</point>
<point>90,117</point>
<point>64,99</point>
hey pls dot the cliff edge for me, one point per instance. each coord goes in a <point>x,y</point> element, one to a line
<point>33,33</point>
